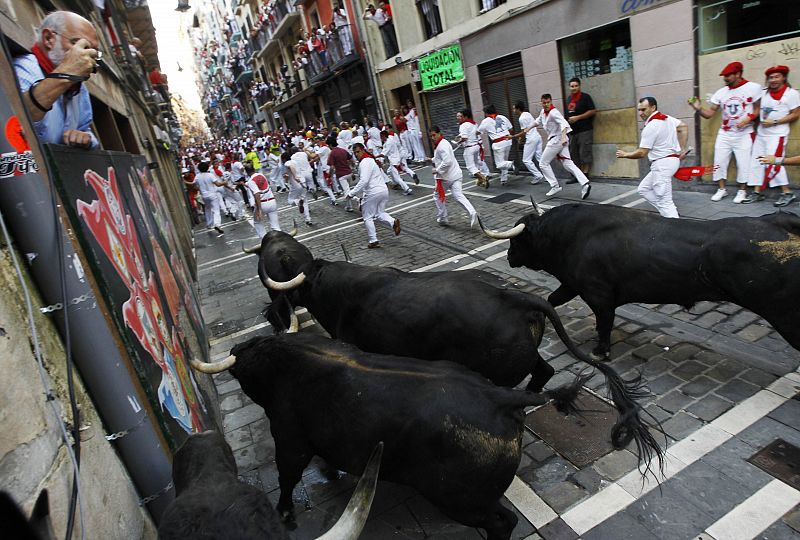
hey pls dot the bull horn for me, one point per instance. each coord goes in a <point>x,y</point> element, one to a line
<point>286,285</point>
<point>294,325</point>
<point>214,367</point>
<point>501,235</point>
<point>251,250</point>
<point>352,521</point>
<point>293,232</point>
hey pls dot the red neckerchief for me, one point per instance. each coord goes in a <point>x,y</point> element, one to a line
<point>439,142</point>
<point>656,116</point>
<point>48,66</point>
<point>778,94</point>
<point>467,121</point>
<point>738,84</point>
<point>492,116</point>
<point>547,111</point>
<point>573,101</point>
<point>365,156</point>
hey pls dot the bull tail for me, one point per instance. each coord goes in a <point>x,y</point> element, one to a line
<point>629,426</point>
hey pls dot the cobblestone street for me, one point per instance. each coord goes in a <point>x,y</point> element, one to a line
<point>722,383</point>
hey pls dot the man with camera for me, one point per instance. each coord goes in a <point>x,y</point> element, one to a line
<point>64,56</point>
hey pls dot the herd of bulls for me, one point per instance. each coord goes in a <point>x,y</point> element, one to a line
<point>425,363</point>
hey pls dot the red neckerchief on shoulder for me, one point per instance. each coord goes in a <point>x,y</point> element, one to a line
<point>467,121</point>
<point>492,116</point>
<point>656,116</point>
<point>573,101</point>
<point>365,156</point>
<point>738,84</point>
<point>48,66</point>
<point>439,141</point>
<point>778,94</point>
<point>547,111</point>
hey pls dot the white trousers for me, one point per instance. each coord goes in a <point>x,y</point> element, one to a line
<point>344,184</point>
<point>211,210</point>
<point>472,158</point>
<point>656,187</point>
<point>373,207</point>
<point>323,184</point>
<point>234,202</point>
<point>405,142</point>
<point>555,149</point>
<point>738,144</point>
<point>761,175</point>
<point>394,175</point>
<point>269,213</point>
<point>532,150</point>
<point>417,149</point>
<point>500,151</point>
<point>297,193</point>
<point>456,192</point>
<point>276,176</point>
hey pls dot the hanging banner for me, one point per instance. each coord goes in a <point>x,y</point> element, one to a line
<point>441,68</point>
<point>122,224</point>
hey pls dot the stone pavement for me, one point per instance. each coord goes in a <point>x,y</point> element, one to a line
<point>703,366</point>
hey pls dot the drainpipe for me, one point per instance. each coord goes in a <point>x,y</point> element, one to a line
<point>696,73</point>
<point>25,202</point>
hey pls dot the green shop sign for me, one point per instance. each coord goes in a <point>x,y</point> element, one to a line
<point>441,68</point>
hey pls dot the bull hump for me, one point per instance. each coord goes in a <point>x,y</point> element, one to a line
<point>782,251</point>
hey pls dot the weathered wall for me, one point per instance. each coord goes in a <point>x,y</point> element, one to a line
<point>756,59</point>
<point>32,452</point>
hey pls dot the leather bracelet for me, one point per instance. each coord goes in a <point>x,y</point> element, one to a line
<point>66,77</point>
<point>35,101</point>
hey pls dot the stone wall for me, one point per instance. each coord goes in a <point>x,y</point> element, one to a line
<point>32,451</point>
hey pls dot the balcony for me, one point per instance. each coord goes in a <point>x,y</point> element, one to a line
<point>339,54</point>
<point>279,19</point>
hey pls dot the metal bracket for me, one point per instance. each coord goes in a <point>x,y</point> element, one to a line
<point>57,306</point>
<point>120,434</point>
<point>146,500</point>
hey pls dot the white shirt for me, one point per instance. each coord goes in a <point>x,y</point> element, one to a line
<point>378,17</point>
<point>370,179</point>
<point>526,121</point>
<point>736,103</point>
<point>445,165</point>
<point>772,109</point>
<point>323,151</point>
<point>205,183</point>
<point>468,131</point>
<point>660,136</point>
<point>345,139</point>
<point>393,150</point>
<point>301,163</point>
<point>340,17</point>
<point>553,123</point>
<point>263,196</point>
<point>496,128</point>
<point>237,171</point>
<point>412,121</point>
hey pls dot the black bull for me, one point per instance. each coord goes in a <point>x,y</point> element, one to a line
<point>465,317</point>
<point>446,430</point>
<point>211,502</point>
<point>612,256</point>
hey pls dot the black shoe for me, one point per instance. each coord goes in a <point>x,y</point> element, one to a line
<point>219,230</point>
<point>416,179</point>
<point>753,197</point>
<point>373,245</point>
<point>585,190</point>
<point>301,206</point>
<point>785,199</point>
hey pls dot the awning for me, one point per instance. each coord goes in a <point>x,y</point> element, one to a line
<point>294,99</point>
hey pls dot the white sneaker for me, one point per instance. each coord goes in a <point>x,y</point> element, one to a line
<point>721,192</point>
<point>473,219</point>
<point>553,191</point>
<point>740,195</point>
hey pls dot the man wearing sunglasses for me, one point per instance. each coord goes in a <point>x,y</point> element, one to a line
<point>64,56</point>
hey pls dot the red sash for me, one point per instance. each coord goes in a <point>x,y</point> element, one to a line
<point>439,190</point>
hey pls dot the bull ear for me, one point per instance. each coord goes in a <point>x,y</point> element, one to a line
<point>355,515</point>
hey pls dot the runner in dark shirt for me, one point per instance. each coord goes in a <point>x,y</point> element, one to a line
<point>580,112</point>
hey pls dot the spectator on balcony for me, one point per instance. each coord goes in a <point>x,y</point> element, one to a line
<point>159,83</point>
<point>65,53</point>
<point>382,17</point>
<point>342,25</point>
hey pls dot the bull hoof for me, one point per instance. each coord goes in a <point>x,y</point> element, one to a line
<point>600,355</point>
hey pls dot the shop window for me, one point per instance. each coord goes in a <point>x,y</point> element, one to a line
<point>598,51</point>
<point>728,24</point>
<point>429,13</point>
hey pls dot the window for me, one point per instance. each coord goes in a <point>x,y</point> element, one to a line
<point>429,13</point>
<point>728,24</point>
<point>486,5</point>
<point>602,50</point>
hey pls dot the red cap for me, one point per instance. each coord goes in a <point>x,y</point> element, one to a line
<point>733,67</point>
<point>777,69</point>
